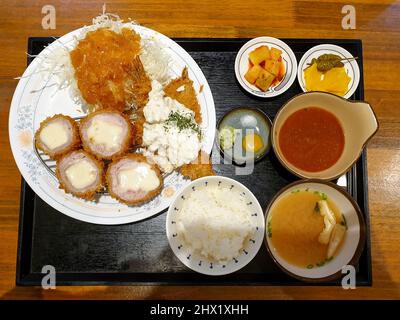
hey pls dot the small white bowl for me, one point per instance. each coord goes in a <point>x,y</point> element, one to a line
<point>242,65</point>
<point>351,67</point>
<point>197,263</point>
<point>353,243</point>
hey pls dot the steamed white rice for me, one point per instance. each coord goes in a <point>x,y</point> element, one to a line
<point>215,223</point>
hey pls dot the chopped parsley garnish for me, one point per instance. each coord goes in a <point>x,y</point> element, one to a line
<point>323,195</point>
<point>316,208</point>
<point>182,122</point>
<point>343,222</point>
<point>321,263</point>
<point>329,259</point>
<point>269,229</point>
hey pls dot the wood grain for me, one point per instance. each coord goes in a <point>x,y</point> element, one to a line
<point>377,25</point>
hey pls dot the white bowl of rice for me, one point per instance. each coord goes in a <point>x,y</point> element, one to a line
<point>215,225</point>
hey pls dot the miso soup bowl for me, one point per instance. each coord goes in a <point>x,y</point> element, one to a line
<point>354,241</point>
<point>357,119</point>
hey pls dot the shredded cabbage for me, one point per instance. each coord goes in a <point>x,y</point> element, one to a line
<point>156,61</point>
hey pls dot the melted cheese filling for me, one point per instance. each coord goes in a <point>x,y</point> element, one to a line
<point>141,177</point>
<point>81,174</point>
<point>105,133</point>
<point>54,135</point>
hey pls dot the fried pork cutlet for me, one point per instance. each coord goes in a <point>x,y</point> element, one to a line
<point>182,90</point>
<point>200,167</point>
<point>133,180</point>
<point>57,135</point>
<point>108,71</point>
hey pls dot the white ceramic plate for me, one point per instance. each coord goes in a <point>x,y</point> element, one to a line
<point>198,263</point>
<point>353,242</point>
<point>30,106</point>
<point>242,65</point>
<point>351,67</point>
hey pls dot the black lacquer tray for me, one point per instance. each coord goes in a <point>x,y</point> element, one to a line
<point>138,253</point>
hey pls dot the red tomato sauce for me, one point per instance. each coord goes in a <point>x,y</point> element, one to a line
<point>311,139</point>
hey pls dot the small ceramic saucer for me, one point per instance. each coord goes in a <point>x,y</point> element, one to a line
<point>242,65</point>
<point>351,67</point>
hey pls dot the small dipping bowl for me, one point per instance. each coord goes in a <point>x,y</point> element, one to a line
<point>353,243</point>
<point>246,121</point>
<point>357,119</point>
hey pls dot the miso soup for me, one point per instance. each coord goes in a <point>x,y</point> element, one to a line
<point>295,224</point>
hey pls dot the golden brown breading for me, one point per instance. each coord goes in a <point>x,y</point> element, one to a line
<point>148,195</point>
<point>138,128</point>
<point>141,84</point>
<point>126,144</point>
<point>73,145</point>
<point>188,96</point>
<point>87,195</point>
<point>104,67</point>
<point>200,167</point>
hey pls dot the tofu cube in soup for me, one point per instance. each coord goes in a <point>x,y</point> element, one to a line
<point>275,54</point>
<point>272,66</point>
<point>253,73</point>
<point>264,80</point>
<point>259,55</point>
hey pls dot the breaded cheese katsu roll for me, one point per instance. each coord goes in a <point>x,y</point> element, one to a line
<point>80,174</point>
<point>57,135</point>
<point>106,134</point>
<point>133,180</point>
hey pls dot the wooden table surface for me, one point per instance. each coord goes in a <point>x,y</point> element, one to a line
<point>377,24</point>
